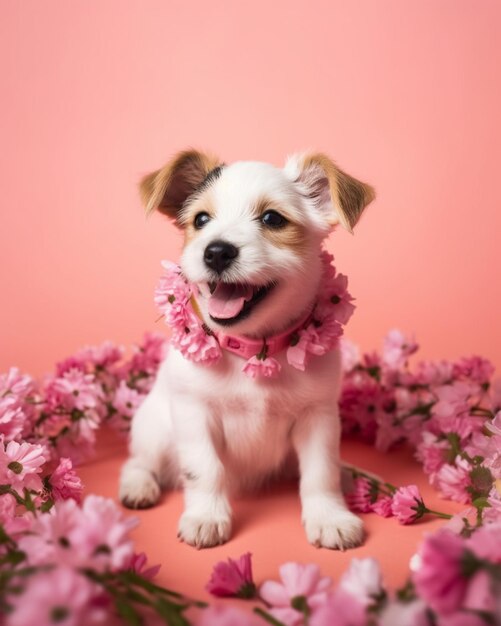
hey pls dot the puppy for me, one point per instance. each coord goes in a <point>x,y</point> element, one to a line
<point>256,229</point>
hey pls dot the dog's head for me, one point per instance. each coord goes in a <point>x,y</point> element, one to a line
<point>253,232</point>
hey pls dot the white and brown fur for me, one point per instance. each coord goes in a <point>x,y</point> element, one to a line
<point>211,429</point>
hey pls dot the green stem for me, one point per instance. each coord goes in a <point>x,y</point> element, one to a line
<point>438,514</point>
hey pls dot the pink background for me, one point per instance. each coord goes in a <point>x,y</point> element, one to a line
<point>406,95</point>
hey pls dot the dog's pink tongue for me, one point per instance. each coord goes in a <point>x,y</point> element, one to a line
<point>228,300</point>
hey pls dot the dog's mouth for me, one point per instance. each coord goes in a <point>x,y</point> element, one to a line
<point>229,303</point>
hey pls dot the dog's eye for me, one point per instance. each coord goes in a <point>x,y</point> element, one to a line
<point>201,220</point>
<point>273,219</point>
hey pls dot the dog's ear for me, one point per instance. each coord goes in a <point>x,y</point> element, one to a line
<point>167,188</point>
<point>337,196</point>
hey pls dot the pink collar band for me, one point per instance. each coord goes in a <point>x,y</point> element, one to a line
<point>247,348</point>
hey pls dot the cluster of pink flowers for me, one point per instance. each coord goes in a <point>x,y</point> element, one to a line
<point>455,581</point>
<point>62,562</point>
<point>321,333</point>
<point>450,413</point>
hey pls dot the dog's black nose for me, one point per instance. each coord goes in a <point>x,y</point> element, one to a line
<point>219,255</point>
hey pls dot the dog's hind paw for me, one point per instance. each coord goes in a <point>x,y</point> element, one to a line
<point>201,531</point>
<point>338,531</point>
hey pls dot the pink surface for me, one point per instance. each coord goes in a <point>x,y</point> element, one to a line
<point>403,94</point>
<point>268,524</point>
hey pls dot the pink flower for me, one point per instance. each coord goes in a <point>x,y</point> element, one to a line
<point>138,564</point>
<point>476,368</point>
<point>197,345</point>
<point>302,589</point>
<point>480,593</point>
<point>438,576</point>
<point>407,504</point>
<point>434,373</point>
<point>363,580</point>
<point>337,298</point>
<point>74,390</point>
<point>339,609</point>
<point>383,506</point>
<point>12,418</point>
<point>61,596</point>
<point>16,384</point>
<point>226,616</point>
<point>431,452</point>
<point>233,578</point>
<point>13,524</point>
<point>96,535</point>
<point>255,367</point>
<point>64,481</point>
<point>485,542</point>
<point>414,613</point>
<point>21,464</point>
<point>461,618</point>
<point>126,400</point>
<point>397,348</point>
<point>453,481</point>
<point>452,399</point>
<point>361,497</point>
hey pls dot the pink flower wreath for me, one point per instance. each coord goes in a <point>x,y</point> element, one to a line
<point>321,332</point>
<point>64,561</point>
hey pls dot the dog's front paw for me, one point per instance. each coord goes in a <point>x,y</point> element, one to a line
<point>204,531</point>
<point>138,487</point>
<point>337,529</point>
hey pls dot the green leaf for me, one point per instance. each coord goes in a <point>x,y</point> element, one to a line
<point>128,612</point>
<point>171,612</point>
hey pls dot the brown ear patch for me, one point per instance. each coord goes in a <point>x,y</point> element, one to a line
<point>168,188</point>
<point>349,196</point>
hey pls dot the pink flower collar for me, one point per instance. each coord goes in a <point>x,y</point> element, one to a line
<point>317,333</point>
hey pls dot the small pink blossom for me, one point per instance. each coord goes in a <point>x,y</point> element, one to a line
<point>452,399</point>
<point>65,482</point>
<point>414,613</point>
<point>363,580</point>
<point>126,400</point>
<point>476,368</point>
<point>453,480</point>
<point>407,504</point>
<point>16,384</point>
<point>361,496</point>
<point>438,574</point>
<point>268,367</point>
<point>73,390</point>
<point>21,464</point>
<point>138,564</point>
<point>301,584</point>
<point>12,418</point>
<point>383,506</point>
<point>232,578</point>
<point>431,452</point>
<point>339,609</point>
<point>226,616</point>
<point>397,348</point>
<point>61,596</point>
<point>96,535</point>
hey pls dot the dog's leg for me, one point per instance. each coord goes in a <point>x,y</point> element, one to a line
<point>327,520</point>
<point>152,464</point>
<point>206,520</point>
